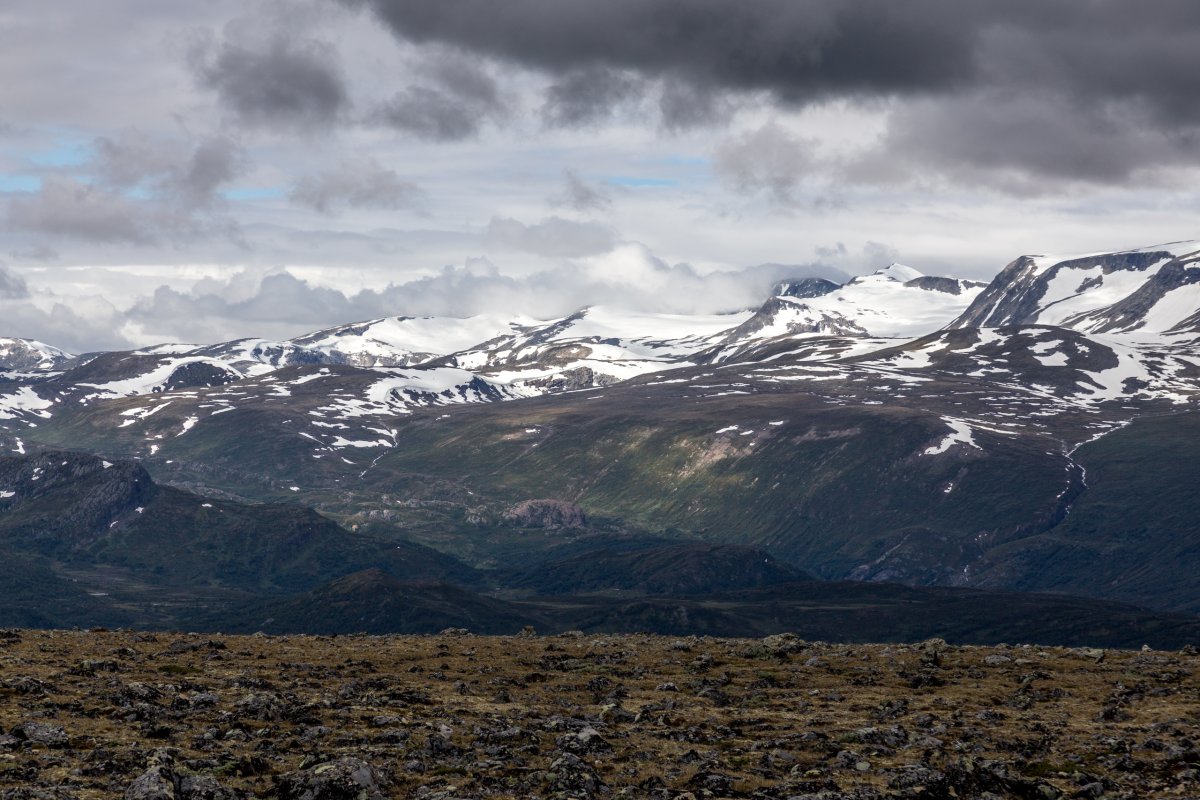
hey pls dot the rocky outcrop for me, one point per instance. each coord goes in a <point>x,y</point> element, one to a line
<point>546,514</point>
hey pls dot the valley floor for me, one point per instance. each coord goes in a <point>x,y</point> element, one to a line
<point>105,714</point>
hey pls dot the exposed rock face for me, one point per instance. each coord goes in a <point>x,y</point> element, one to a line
<point>1034,290</point>
<point>97,494</point>
<point>816,322</point>
<point>199,374</point>
<point>344,779</point>
<point>23,354</point>
<point>574,379</point>
<point>546,514</point>
<point>163,780</point>
<point>1014,297</point>
<point>805,287</point>
<point>934,283</point>
<point>1130,313</point>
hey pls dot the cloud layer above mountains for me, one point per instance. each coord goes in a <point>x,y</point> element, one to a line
<point>349,146</point>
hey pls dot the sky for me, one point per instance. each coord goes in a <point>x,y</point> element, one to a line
<point>204,171</point>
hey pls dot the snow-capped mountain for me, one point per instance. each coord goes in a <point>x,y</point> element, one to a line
<point>897,301</point>
<point>897,427</point>
<point>348,381</point>
<point>1151,290</point>
<point>405,341</point>
<point>27,354</point>
<point>596,346</point>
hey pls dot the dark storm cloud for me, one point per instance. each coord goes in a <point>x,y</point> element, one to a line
<point>1120,77</point>
<point>430,114</point>
<point>588,96</point>
<point>454,99</point>
<point>799,49</point>
<point>686,105</point>
<point>1027,143</point>
<point>281,82</point>
<point>356,184</point>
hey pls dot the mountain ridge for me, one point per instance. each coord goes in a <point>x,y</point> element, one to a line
<point>956,454</point>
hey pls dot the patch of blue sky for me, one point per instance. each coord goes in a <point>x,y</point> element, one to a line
<point>62,154</point>
<point>20,183</point>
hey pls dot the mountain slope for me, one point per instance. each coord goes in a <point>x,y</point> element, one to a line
<point>1150,290</point>
<point>1132,535</point>
<point>92,514</point>
<point>679,569</point>
<point>27,354</point>
<point>852,431</point>
<point>372,601</point>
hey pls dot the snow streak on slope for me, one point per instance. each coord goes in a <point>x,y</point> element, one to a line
<point>24,403</point>
<point>404,341</point>
<point>341,388</point>
<point>897,301</point>
<point>1145,291</point>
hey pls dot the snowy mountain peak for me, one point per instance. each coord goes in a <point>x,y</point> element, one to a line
<point>24,354</point>
<point>1145,290</point>
<point>804,287</point>
<point>899,272</point>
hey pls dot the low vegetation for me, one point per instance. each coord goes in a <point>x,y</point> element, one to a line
<point>105,714</point>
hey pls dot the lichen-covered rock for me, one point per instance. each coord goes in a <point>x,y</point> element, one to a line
<point>41,733</point>
<point>343,779</point>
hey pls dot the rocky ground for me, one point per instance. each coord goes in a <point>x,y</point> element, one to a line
<point>105,714</point>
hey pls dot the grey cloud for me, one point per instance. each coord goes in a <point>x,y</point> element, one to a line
<point>146,189</point>
<point>872,256</point>
<point>769,159</point>
<point>70,208</point>
<point>173,170</point>
<point>799,50</point>
<point>686,105</point>
<point>554,237</point>
<point>12,286</point>
<point>588,96</point>
<point>215,162</point>
<point>430,114</point>
<point>1131,68</point>
<point>132,157</point>
<point>1026,143</point>
<point>454,101</point>
<point>88,327</point>
<point>632,277</point>
<point>581,195</point>
<point>285,82</point>
<point>41,253</point>
<point>357,184</point>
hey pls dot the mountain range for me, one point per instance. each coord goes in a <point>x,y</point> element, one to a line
<point>903,448</point>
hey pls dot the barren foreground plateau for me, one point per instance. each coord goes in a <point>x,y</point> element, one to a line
<point>103,714</point>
